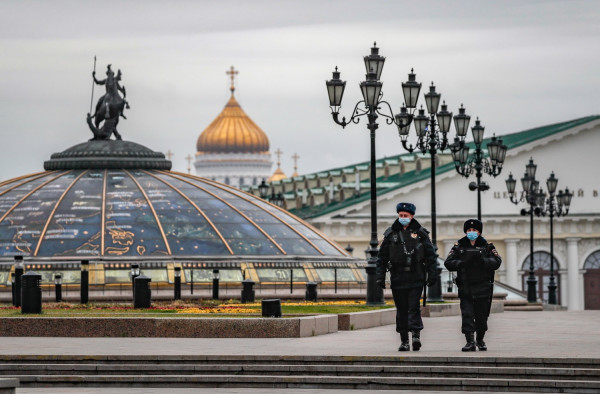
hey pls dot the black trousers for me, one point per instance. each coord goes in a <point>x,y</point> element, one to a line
<point>408,310</point>
<point>474,313</point>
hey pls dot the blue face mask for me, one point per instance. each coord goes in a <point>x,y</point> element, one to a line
<point>404,221</point>
<point>472,235</point>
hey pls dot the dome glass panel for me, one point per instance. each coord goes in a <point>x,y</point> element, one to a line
<point>111,213</point>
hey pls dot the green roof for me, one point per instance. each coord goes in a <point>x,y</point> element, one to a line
<point>397,181</point>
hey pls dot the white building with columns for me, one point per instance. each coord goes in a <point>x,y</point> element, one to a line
<point>337,202</point>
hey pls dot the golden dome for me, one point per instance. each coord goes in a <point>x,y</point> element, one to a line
<point>277,175</point>
<point>233,132</point>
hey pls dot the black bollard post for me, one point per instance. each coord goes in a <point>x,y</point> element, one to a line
<point>58,287</point>
<point>271,308</point>
<point>291,281</point>
<point>311,291</point>
<point>135,272</point>
<point>177,287</point>
<point>85,282</point>
<point>143,293</point>
<point>12,283</point>
<point>215,286</point>
<point>192,281</point>
<point>18,275</point>
<point>31,293</point>
<point>247,291</point>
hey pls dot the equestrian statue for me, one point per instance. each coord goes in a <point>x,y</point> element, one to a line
<point>109,107</point>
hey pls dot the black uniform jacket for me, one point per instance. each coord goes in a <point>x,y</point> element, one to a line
<point>406,271</point>
<point>475,266</point>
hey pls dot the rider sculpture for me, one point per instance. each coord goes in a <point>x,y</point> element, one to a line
<point>109,108</point>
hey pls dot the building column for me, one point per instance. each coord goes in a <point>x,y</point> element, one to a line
<point>573,274</point>
<point>512,269</point>
<point>448,244</point>
<point>563,288</point>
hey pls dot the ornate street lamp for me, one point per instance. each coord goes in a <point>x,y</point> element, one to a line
<point>465,164</point>
<point>432,136</point>
<point>263,190</point>
<point>532,195</point>
<point>371,107</point>
<point>554,205</point>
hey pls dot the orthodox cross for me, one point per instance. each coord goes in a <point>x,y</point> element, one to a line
<point>278,152</point>
<point>169,154</point>
<point>189,159</point>
<point>232,73</point>
<point>295,157</point>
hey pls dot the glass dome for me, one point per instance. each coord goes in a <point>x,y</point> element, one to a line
<point>98,213</point>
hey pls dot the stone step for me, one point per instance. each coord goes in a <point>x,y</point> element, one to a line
<point>312,381</point>
<point>450,371</point>
<point>476,360</point>
<point>524,308</point>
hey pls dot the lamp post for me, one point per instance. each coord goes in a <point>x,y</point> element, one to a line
<point>465,165</point>
<point>532,196</point>
<point>85,281</point>
<point>372,106</point>
<point>177,288</point>
<point>215,285</point>
<point>432,136</point>
<point>135,272</point>
<point>263,189</point>
<point>554,205</point>
<point>58,287</point>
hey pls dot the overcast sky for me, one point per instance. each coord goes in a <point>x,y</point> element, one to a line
<point>515,64</point>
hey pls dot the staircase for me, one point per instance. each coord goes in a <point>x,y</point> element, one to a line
<point>522,306</point>
<point>505,374</point>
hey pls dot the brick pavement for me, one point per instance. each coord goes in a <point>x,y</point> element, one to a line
<point>518,334</point>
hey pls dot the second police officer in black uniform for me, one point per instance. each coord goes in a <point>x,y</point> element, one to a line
<point>407,252</point>
<point>475,260</point>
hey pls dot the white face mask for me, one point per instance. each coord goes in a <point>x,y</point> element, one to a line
<point>404,221</point>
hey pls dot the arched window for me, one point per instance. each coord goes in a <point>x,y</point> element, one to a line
<point>541,270</point>
<point>591,281</point>
<point>593,261</point>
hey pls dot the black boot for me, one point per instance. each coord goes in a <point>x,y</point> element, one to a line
<point>480,344</point>
<point>416,340</point>
<point>470,346</point>
<point>404,345</point>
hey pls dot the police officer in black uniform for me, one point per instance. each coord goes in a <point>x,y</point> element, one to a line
<point>407,252</point>
<point>475,260</point>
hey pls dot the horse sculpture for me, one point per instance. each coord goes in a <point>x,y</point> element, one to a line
<point>109,107</point>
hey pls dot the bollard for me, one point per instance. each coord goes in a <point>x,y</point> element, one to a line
<point>12,285</point>
<point>247,291</point>
<point>215,286</point>
<point>143,294</point>
<point>18,274</point>
<point>85,282</point>
<point>311,291</point>
<point>58,287</point>
<point>31,293</point>
<point>135,272</point>
<point>271,307</point>
<point>177,284</point>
